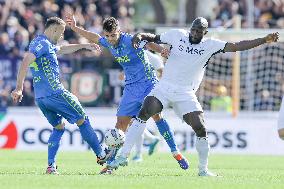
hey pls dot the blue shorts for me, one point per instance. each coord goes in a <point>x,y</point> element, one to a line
<point>133,97</point>
<point>64,105</point>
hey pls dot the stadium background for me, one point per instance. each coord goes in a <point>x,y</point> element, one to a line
<point>94,77</point>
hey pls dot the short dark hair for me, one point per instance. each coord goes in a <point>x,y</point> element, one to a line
<point>54,20</point>
<point>200,22</point>
<point>110,24</point>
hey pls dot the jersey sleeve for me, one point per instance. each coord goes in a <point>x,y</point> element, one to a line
<point>155,60</point>
<point>169,36</point>
<point>217,45</point>
<point>142,44</point>
<point>39,49</point>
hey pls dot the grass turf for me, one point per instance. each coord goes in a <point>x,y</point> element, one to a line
<point>79,170</point>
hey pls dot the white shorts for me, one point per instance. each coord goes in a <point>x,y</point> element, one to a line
<point>183,102</point>
<point>281,116</point>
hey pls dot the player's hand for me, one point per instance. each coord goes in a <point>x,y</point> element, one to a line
<point>136,41</point>
<point>93,47</point>
<point>121,76</point>
<point>273,37</point>
<point>70,20</point>
<point>17,95</point>
<point>165,52</point>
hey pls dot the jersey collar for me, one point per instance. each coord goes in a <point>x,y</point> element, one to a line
<point>45,37</point>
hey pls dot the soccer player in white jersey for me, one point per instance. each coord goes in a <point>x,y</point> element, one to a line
<point>182,75</point>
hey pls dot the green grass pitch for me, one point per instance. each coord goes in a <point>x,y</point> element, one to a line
<point>79,170</point>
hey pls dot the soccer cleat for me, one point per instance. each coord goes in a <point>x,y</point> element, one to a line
<point>119,161</point>
<point>206,174</point>
<point>182,161</point>
<point>52,170</point>
<point>137,158</point>
<point>152,146</point>
<point>106,171</point>
<point>109,153</point>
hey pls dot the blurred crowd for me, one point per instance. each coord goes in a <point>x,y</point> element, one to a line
<point>21,20</point>
<point>266,13</point>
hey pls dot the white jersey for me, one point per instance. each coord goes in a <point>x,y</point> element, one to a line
<point>155,60</point>
<point>186,63</point>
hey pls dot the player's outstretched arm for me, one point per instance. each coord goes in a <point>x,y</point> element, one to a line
<point>17,94</point>
<point>93,37</point>
<point>137,38</point>
<point>249,44</point>
<point>154,47</point>
<point>67,49</point>
<point>159,49</point>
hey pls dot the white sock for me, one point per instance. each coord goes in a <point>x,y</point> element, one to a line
<point>149,136</point>
<point>202,147</point>
<point>135,131</point>
<point>139,145</point>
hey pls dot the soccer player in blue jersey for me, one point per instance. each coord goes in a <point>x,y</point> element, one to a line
<point>140,77</point>
<point>54,101</point>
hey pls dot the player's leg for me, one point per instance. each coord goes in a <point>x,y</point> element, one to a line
<point>154,140</point>
<point>150,107</point>
<point>67,105</point>
<point>54,139</point>
<point>281,133</point>
<point>89,135</point>
<point>196,121</point>
<point>281,121</point>
<point>128,107</point>
<point>137,157</point>
<point>165,131</point>
<point>189,109</point>
<point>168,135</point>
<point>138,149</point>
<point>122,124</point>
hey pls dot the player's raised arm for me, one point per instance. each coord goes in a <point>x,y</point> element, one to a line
<point>67,49</point>
<point>249,44</point>
<point>17,94</point>
<point>93,37</point>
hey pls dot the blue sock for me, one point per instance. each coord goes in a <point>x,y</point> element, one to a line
<point>53,144</point>
<point>89,135</point>
<point>167,133</point>
<point>112,157</point>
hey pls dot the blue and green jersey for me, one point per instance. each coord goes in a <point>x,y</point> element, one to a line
<point>135,63</point>
<point>45,69</point>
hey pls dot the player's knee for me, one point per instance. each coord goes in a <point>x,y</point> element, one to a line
<point>60,126</point>
<point>151,106</point>
<point>144,114</point>
<point>196,121</point>
<point>199,127</point>
<point>80,122</point>
<point>281,134</point>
